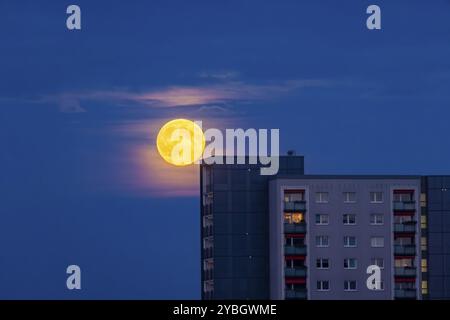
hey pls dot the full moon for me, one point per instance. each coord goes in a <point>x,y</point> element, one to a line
<point>180,142</point>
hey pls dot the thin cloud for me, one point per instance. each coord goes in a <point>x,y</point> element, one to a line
<point>220,94</point>
<point>179,96</point>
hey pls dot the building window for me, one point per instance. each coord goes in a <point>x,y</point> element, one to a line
<point>423,200</point>
<point>323,285</point>
<point>403,197</point>
<point>322,241</point>
<point>208,242</point>
<point>291,218</point>
<point>377,242</point>
<point>376,197</point>
<point>323,263</point>
<point>423,243</point>
<point>404,263</point>
<point>423,222</point>
<point>208,264</point>
<point>208,286</point>
<point>322,197</point>
<point>424,265</point>
<point>350,285</point>
<point>350,263</point>
<point>349,219</point>
<point>294,196</point>
<point>349,241</point>
<point>376,219</point>
<point>322,219</point>
<point>378,262</point>
<point>424,287</point>
<point>349,197</point>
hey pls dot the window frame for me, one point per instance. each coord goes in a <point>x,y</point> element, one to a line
<point>321,223</point>
<point>347,245</point>
<point>346,221</point>
<point>376,237</point>
<point>346,197</point>
<point>320,288</point>
<point>376,223</point>
<point>321,245</point>
<point>374,200</point>
<point>348,264</point>
<point>349,285</point>
<point>321,200</point>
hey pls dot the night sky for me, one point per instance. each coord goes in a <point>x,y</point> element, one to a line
<point>80,181</point>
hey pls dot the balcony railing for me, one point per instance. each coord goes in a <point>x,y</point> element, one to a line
<point>405,271</point>
<point>405,293</point>
<point>295,272</point>
<point>405,227</point>
<point>406,250</point>
<point>294,250</point>
<point>295,294</point>
<point>207,231</point>
<point>295,227</point>
<point>207,252</point>
<point>404,205</point>
<point>295,206</point>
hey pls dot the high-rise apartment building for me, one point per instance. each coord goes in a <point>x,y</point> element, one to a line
<point>296,236</point>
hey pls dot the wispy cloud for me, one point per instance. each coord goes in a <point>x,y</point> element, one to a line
<point>220,75</point>
<point>180,96</point>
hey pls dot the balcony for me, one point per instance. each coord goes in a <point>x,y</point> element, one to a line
<point>405,293</point>
<point>297,206</point>
<point>405,271</point>
<point>295,272</point>
<point>207,231</point>
<point>295,250</point>
<point>295,227</point>
<point>207,252</point>
<point>408,227</point>
<point>405,250</point>
<point>404,206</point>
<point>295,294</point>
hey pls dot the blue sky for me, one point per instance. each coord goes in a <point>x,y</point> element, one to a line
<point>79,111</point>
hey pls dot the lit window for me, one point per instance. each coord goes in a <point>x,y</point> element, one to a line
<point>323,263</point>
<point>423,222</point>
<point>377,242</point>
<point>349,241</point>
<point>404,263</point>
<point>423,200</point>
<point>376,197</point>
<point>378,262</point>
<point>322,197</point>
<point>293,218</point>
<point>424,287</point>
<point>322,219</point>
<point>349,219</point>
<point>424,265</point>
<point>349,197</point>
<point>350,285</point>
<point>376,219</point>
<point>322,241</point>
<point>323,285</point>
<point>350,263</point>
